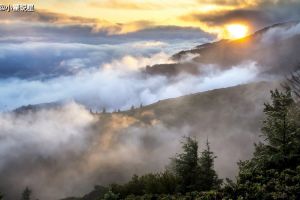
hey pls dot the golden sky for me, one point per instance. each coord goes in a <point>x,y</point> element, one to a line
<point>133,15</point>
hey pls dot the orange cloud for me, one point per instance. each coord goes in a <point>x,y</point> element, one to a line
<point>117,4</point>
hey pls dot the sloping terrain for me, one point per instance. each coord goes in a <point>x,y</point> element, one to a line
<point>229,118</point>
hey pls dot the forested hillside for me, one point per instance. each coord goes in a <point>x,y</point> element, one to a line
<point>273,172</point>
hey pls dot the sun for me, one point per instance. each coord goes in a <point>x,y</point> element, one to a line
<point>236,31</point>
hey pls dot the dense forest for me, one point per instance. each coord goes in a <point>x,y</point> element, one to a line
<point>272,173</point>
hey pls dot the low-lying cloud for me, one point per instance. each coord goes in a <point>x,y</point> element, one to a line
<point>281,33</point>
<point>120,84</point>
<point>65,151</point>
<point>43,60</point>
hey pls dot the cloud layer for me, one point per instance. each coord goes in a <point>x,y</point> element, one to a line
<point>120,84</point>
<point>58,159</point>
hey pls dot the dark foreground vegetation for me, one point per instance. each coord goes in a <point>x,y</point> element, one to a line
<point>272,173</point>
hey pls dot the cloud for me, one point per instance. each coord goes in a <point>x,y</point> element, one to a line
<point>44,19</point>
<point>119,84</point>
<point>117,4</point>
<point>74,116</point>
<point>249,3</point>
<point>46,59</point>
<point>45,16</point>
<point>281,33</point>
<point>258,15</point>
<point>219,18</point>
<point>58,159</point>
<point>94,24</point>
<point>35,140</point>
<point>134,5</point>
<point>169,32</point>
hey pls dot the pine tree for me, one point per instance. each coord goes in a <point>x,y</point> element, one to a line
<point>274,171</point>
<point>208,177</point>
<point>26,194</point>
<point>187,167</point>
<point>279,130</point>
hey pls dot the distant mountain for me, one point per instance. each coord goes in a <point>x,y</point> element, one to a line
<point>37,107</point>
<point>275,54</point>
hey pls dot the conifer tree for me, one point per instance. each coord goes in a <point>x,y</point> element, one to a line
<point>208,177</point>
<point>274,171</point>
<point>187,166</point>
<point>279,130</point>
<point>26,194</point>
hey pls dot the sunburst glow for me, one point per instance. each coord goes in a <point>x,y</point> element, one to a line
<point>236,31</point>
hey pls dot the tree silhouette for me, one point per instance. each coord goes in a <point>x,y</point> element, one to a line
<point>26,194</point>
<point>274,171</point>
<point>187,166</point>
<point>208,177</point>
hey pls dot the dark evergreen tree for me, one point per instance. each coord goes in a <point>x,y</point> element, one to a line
<point>187,166</point>
<point>169,182</point>
<point>274,171</point>
<point>208,177</point>
<point>280,132</point>
<point>26,194</point>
